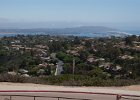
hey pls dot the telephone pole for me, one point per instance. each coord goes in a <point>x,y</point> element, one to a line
<point>73,66</point>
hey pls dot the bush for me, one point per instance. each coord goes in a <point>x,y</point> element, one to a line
<point>69,80</point>
<point>11,78</point>
<point>81,80</point>
<point>20,79</point>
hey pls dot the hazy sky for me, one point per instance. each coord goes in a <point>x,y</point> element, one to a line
<point>40,13</point>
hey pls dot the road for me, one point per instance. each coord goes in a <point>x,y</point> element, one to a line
<point>35,90</point>
<point>59,66</point>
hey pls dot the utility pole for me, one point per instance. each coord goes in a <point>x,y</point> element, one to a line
<point>73,66</point>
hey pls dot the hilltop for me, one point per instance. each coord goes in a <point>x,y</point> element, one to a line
<point>82,29</point>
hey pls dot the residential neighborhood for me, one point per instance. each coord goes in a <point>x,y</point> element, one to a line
<point>45,56</point>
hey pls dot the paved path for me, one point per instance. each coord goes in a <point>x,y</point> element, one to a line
<point>37,87</point>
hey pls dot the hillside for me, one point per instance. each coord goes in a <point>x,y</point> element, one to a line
<point>83,29</point>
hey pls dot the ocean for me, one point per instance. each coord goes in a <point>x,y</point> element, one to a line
<point>133,32</point>
<point>79,35</point>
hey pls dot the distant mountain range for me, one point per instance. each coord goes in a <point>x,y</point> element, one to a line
<point>101,30</point>
<point>76,30</point>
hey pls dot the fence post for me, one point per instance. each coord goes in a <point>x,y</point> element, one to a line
<point>118,97</point>
<point>34,97</point>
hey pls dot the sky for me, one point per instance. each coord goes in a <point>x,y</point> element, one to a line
<point>121,14</point>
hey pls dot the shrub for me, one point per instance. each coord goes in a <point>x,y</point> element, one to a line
<point>69,80</point>
<point>11,78</point>
<point>81,80</point>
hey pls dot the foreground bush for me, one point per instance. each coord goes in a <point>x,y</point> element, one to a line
<point>19,79</point>
<point>68,80</point>
<point>82,80</point>
<point>11,78</point>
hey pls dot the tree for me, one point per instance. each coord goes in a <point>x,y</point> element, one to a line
<point>129,40</point>
<point>64,57</point>
<point>97,72</point>
<point>88,44</point>
<point>55,46</point>
<point>84,55</point>
<point>67,69</point>
<point>76,40</point>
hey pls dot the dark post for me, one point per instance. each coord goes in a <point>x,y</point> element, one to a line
<point>34,97</point>
<point>73,66</point>
<point>10,97</point>
<point>118,97</point>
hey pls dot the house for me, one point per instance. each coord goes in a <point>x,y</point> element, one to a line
<point>15,42</point>
<point>42,46</point>
<point>40,52</point>
<point>105,65</point>
<point>94,59</point>
<point>23,71</point>
<point>109,66</point>
<point>101,59</point>
<point>12,73</point>
<point>116,68</point>
<point>16,47</point>
<point>126,57</point>
<point>80,47</point>
<point>43,65</point>
<point>46,58</point>
<point>25,75</point>
<point>51,40</point>
<point>91,60</point>
<point>72,52</point>
<point>27,48</point>
<point>51,64</point>
<point>137,44</point>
